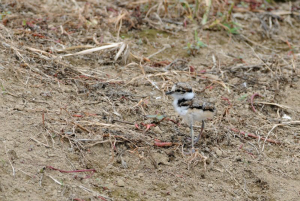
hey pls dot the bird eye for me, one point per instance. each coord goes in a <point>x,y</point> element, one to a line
<point>177,90</point>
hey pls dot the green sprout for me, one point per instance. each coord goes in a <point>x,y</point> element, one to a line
<point>4,14</point>
<point>232,27</point>
<point>194,47</point>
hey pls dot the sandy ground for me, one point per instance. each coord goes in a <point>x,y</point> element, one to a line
<point>75,128</point>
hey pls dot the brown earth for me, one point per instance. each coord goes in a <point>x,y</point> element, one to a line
<point>87,112</point>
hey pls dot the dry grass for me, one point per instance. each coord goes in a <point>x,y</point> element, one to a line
<point>93,89</point>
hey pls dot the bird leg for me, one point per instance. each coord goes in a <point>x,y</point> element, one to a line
<point>192,135</point>
<point>202,128</point>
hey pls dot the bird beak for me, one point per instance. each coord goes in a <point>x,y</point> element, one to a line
<point>169,92</point>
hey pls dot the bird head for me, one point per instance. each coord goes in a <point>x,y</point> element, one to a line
<point>181,90</point>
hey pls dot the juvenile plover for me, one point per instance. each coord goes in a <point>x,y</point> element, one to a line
<point>190,108</point>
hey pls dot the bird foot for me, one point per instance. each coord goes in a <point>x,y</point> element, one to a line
<point>189,140</point>
<point>190,152</point>
<point>193,154</point>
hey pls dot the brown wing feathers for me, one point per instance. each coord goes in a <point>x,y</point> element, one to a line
<point>196,104</point>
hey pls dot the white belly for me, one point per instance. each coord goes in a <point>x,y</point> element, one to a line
<point>194,115</point>
<point>181,110</point>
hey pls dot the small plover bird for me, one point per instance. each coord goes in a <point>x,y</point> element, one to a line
<point>190,108</point>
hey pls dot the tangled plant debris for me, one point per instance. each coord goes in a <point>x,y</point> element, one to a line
<point>85,116</point>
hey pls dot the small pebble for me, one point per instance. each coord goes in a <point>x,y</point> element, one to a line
<point>219,152</point>
<point>110,186</point>
<point>238,159</point>
<point>233,120</point>
<point>22,189</point>
<point>109,167</point>
<point>157,130</point>
<point>207,149</point>
<point>120,183</point>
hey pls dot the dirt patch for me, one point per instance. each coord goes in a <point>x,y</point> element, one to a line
<point>86,126</point>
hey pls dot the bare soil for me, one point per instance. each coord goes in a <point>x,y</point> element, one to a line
<point>78,127</point>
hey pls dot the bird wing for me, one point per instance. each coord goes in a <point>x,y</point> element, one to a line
<point>208,107</point>
<point>198,104</point>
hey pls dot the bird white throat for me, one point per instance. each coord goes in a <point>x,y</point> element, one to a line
<point>182,110</point>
